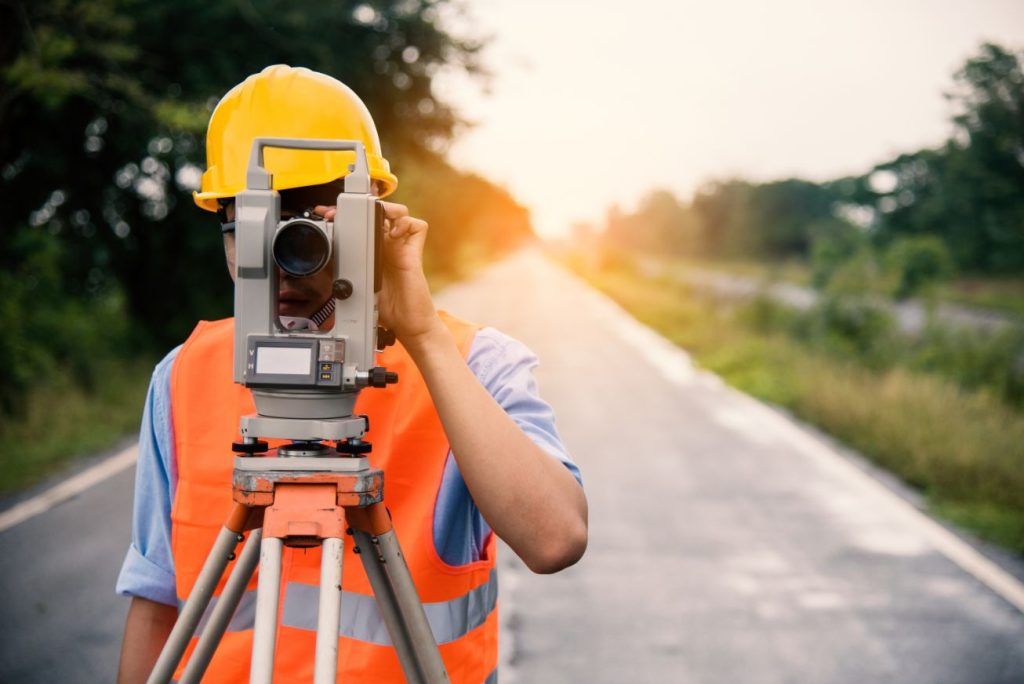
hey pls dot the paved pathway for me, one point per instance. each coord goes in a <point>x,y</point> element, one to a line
<point>727,544</point>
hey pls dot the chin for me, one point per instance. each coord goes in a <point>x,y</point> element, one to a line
<point>294,310</point>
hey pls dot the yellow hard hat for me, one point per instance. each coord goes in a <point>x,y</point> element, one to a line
<point>286,102</point>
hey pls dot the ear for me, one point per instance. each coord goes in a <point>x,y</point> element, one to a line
<point>226,209</point>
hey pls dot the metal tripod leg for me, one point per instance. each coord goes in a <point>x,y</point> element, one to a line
<point>190,614</point>
<point>227,602</point>
<point>398,600</point>
<point>268,591</point>
<point>384,593</point>
<point>329,612</point>
<point>408,601</point>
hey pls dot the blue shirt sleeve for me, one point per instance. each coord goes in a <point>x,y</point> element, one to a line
<point>504,366</point>
<point>148,569</point>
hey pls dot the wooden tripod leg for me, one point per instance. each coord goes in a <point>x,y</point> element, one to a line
<point>190,614</point>
<point>396,595</point>
<point>224,609</point>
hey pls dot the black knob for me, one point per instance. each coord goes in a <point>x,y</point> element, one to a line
<point>385,338</point>
<point>342,289</point>
<point>256,447</point>
<point>382,377</point>
<point>357,448</point>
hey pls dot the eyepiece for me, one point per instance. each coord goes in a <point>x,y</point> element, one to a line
<point>301,247</point>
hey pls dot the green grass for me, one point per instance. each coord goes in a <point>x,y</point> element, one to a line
<point>63,420</point>
<point>964,448</point>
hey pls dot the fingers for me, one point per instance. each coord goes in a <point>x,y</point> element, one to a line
<point>406,227</point>
<point>394,211</point>
<point>400,224</point>
<point>328,212</point>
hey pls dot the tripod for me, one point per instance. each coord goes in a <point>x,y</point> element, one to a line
<point>304,496</point>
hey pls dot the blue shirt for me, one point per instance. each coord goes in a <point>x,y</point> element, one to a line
<point>503,365</point>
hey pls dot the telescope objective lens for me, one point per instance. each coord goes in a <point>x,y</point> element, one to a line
<point>301,248</point>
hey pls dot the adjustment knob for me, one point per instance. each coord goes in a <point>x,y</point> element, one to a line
<point>354,448</point>
<point>385,338</point>
<point>382,377</point>
<point>342,289</point>
<point>254,447</point>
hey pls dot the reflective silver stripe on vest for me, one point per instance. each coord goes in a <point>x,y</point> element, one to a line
<point>360,617</point>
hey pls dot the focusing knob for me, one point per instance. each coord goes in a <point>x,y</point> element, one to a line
<point>382,377</point>
<point>342,289</point>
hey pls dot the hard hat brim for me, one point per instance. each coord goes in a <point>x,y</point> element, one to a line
<point>209,200</point>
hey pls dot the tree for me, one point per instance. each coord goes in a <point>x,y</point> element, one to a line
<point>970,191</point>
<point>660,225</point>
<point>772,220</point>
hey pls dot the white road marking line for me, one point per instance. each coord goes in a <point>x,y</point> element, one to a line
<point>69,488</point>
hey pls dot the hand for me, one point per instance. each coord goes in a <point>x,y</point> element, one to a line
<point>404,304</point>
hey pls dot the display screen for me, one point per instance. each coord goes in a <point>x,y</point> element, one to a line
<point>284,360</point>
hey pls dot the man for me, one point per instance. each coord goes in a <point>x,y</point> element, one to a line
<point>471,453</point>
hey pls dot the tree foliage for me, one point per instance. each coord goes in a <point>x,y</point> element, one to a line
<point>919,262</point>
<point>733,218</point>
<point>103,108</point>
<point>970,191</point>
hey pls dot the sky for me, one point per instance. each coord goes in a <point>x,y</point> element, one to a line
<point>593,103</point>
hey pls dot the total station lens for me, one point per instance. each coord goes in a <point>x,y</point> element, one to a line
<point>301,248</point>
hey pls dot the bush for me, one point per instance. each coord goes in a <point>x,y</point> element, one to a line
<point>46,333</point>
<point>830,251</point>
<point>853,326</point>
<point>974,359</point>
<point>918,262</point>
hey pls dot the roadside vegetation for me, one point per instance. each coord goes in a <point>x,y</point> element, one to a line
<point>941,412</point>
<point>1001,294</point>
<point>63,418</point>
<point>942,407</point>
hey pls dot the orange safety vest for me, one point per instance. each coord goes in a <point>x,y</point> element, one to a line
<point>409,444</point>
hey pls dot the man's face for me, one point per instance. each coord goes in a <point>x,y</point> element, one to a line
<point>300,297</point>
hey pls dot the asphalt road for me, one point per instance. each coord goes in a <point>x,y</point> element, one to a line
<point>727,543</point>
